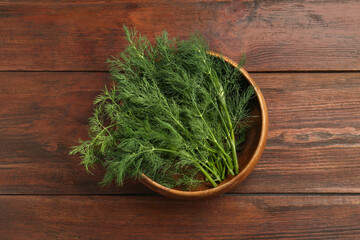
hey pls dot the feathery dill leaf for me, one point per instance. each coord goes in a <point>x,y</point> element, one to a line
<point>173,113</point>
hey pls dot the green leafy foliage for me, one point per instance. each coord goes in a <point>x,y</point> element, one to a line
<point>174,112</point>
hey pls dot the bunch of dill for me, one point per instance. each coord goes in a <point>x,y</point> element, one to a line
<point>173,112</point>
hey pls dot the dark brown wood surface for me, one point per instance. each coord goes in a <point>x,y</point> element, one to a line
<point>305,56</point>
<point>151,217</point>
<point>275,35</point>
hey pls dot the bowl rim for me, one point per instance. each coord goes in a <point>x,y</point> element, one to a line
<point>173,193</point>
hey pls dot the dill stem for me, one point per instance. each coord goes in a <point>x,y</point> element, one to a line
<point>232,139</point>
<point>233,150</point>
<point>221,96</point>
<point>188,133</point>
<point>104,129</point>
<point>111,98</point>
<point>206,174</point>
<point>214,138</point>
<point>210,167</point>
<point>211,170</point>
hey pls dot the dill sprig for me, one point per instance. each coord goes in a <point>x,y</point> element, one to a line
<point>173,112</point>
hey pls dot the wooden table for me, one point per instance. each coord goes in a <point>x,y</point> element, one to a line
<point>303,54</point>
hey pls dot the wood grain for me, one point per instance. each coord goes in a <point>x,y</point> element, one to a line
<point>230,217</point>
<point>52,65</point>
<point>314,137</point>
<point>275,35</point>
<point>313,146</point>
<point>41,116</point>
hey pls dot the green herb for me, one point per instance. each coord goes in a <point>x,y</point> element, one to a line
<point>173,112</point>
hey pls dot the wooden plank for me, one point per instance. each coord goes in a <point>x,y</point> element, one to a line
<point>313,134</point>
<point>275,35</point>
<point>230,217</point>
<point>41,116</point>
<point>314,137</point>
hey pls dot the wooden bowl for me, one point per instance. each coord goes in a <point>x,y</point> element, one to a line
<point>253,148</point>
